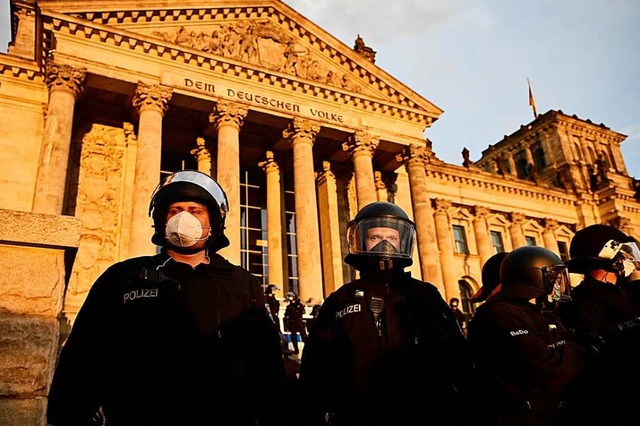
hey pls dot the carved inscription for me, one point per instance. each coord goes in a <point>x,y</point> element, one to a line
<point>212,88</point>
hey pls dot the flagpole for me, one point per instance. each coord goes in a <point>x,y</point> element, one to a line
<point>532,101</point>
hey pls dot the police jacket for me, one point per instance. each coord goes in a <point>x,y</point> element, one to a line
<point>293,317</point>
<point>382,354</point>
<point>273,305</point>
<point>603,310</point>
<point>158,342</point>
<point>524,360</point>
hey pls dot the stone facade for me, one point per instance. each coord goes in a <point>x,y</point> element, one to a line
<point>101,103</point>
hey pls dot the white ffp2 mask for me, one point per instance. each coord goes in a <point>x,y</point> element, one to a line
<point>184,230</point>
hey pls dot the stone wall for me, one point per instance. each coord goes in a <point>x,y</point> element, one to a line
<point>36,253</point>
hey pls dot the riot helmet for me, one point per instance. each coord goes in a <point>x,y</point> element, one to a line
<point>490,277</point>
<point>271,289</point>
<point>530,272</point>
<point>381,236</point>
<point>603,247</point>
<point>190,185</point>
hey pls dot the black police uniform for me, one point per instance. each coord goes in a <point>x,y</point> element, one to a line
<point>602,310</point>
<point>524,361</point>
<point>158,342</point>
<point>274,308</point>
<point>294,322</point>
<point>405,368</point>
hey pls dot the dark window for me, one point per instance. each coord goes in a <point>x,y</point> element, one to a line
<point>290,223</point>
<point>496,241</point>
<point>564,251</point>
<point>460,238</point>
<point>465,299</point>
<point>539,158</point>
<point>531,241</point>
<point>522,165</point>
<point>253,223</point>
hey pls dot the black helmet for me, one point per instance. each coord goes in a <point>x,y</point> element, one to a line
<point>367,249</point>
<point>190,185</point>
<point>598,247</point>
<point>271,289</point>
<point>529,272</point>
<point>490,277</point>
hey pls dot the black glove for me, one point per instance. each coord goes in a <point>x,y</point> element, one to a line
<point>593,343</point>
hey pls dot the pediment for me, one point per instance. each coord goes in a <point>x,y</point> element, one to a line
<point>263,44</point>
<point>267,35</point>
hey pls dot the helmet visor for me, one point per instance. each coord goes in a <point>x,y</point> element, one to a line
<point>627,251</point>
<point>202,180</point>
<point>556,281</point>
<point>383,237</point>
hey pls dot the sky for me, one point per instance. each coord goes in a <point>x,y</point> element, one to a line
<point>472,59</point>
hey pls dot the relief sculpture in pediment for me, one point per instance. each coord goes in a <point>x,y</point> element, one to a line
<point>260,42</point>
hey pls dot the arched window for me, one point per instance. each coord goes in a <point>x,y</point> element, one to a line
<point>466,293</point>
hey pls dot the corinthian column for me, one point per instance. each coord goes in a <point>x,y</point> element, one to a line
<point>151,103</point>
<point>229,118</point>
<point>361,146</point>
<point>330,226</point>
<point>485,248</point>
<point>517,234</point>
<point>549,236</point>
<point>274,220</point>
<point>302,134</point>
<point>414,159</point>
<point>202,156</point>
<point>65,84</point>
<point>445,242</point>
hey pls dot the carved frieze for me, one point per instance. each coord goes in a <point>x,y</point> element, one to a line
<point>260,42</point>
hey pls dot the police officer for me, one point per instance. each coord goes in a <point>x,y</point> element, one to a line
<point>601,312</point>
<point>294,320</point>
<point>490,278</point>
<point>522,355</point>
<point>385,348</point>
<point>179,338</point>
<point>273,304</point>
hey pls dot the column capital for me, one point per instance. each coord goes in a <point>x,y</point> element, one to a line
<point>201,152</point>
<point>550,225</point>
<point>361,143</point>
<point>301,130</point>
<point>481,212</point>
<point>152,96</point>
<point>442,206</point>
<point>517,218</point>
<point>385,180</point>
<point>129,133</point>
<point>64,77</point>
<point>413,155</point>
<point>226,113</point>
<point>325,174</point>
<point>378,180</point>
<point>268,163</point>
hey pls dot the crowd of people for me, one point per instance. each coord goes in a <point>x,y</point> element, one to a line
<point>186,338</point>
